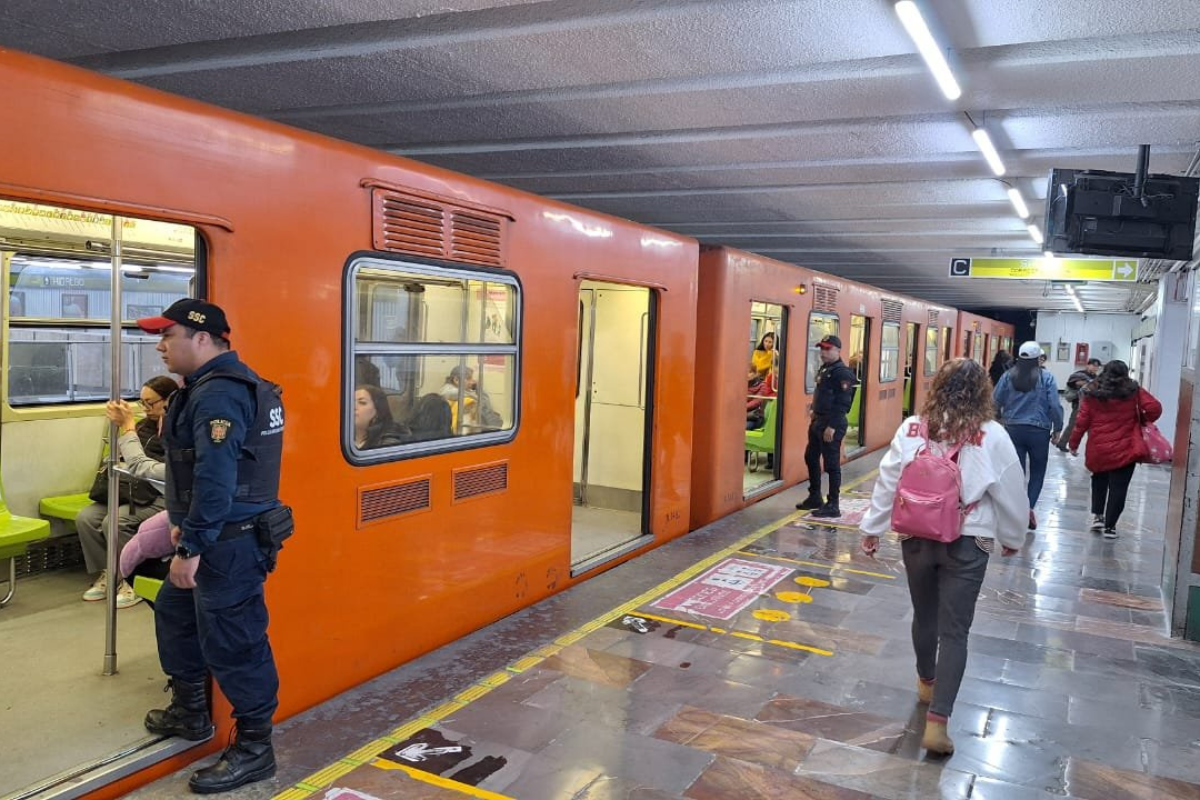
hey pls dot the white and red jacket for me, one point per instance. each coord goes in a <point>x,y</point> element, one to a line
<point>992,479</point>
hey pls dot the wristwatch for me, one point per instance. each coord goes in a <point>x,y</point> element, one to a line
<point>183,552</point>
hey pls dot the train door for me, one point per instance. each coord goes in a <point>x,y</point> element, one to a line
<point>860,338</point>
<point>947,344</point>
<point>967,347</point>
<point>913,331</point>
<point>611,422</point>
<point>73,708</point>
<point>764,396</point>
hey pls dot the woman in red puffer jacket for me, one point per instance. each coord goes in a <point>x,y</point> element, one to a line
<point>1113,410</point>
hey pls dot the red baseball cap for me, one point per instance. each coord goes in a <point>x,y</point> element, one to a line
<point>190,313</point>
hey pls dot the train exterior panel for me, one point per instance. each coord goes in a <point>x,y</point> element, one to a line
<point>283,213</point>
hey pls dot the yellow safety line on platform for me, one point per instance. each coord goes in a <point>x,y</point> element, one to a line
<point>740,634</point>
<point>443,783</point>
<point>322,779</point>
<point>832,567</point>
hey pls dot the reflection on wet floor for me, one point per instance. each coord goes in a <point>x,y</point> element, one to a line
<point>778,665</point>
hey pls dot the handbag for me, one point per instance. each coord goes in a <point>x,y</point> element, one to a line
<point>1158,449</point>
<point>131,492</point>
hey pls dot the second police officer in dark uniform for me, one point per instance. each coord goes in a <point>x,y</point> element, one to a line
<point>832,399</point>
<point>224,440</point>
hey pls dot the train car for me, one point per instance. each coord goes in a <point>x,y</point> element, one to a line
<point>553,349</point>
<point>981,338</point>
<point>894,343</point>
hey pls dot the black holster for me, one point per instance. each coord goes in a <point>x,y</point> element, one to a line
<point>272,528</point>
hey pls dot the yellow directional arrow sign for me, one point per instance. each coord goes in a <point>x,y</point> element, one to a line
<point>1046,269</point>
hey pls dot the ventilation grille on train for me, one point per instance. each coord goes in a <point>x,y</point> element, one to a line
<point>406,223</point>
<point>933,319</point>
<point>893,310</point>
<point>385,501</point>
<point>478,481</point>
<point>825,298</point>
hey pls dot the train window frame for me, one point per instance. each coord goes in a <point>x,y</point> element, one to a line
<point>886,375</point>
<point>141,259</point>
<point>813,356</point>
<point>932,350</point>
<point>436,271</point>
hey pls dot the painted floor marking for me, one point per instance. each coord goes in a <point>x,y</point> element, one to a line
<point>831,567</point>
<point>739,634</point>
<point>324,778</point>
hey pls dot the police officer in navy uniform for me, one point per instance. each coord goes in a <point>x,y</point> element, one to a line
<point>224,439</point>
<point>834,394</point>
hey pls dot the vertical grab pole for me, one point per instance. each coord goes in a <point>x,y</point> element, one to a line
<point>112,521</point>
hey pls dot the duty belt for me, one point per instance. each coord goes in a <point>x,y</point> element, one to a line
<point>236,530</point>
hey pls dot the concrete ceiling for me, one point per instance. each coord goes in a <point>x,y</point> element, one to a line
<point>809,131</point>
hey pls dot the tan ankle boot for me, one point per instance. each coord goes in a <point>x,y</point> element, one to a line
<point>936,740</point>
<point>924,691</point>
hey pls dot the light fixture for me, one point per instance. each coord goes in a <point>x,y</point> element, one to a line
<point>1035,233</point>
<point>984,143</point>
<point>1048,254</point>
<point>1070,290</point>
<point>1018,202</point>
<point>918,31</point>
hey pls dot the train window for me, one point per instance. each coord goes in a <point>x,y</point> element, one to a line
<point>57,276</point>
<point>435,350</point>
<point>820,325</point>
<point>931,351</point>
<point>889,352</point>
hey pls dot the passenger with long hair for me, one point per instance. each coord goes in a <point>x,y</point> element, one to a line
<point>1027,401</point>
<point>1112,411</point>
<point>373,423</point>
<point>1000,364</point>
<point>944,579</point>
<point>763,356</point>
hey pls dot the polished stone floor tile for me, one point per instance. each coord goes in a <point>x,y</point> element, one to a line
<point>833,722</point>
<point>643,760</point>
<point>728,778</point>
<point>601,667</point>
<point>731,737</point>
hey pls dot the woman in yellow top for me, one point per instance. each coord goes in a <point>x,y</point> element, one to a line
<point>764,355</point>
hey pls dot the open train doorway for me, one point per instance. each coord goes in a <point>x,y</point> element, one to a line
<point>612,417</point>
<point>860,337</point>
<point>912,330</point>
<point>764,397</point>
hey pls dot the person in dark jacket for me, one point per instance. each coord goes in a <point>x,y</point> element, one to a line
<point>1027,401</point>
<point>832,398</point>
<point>1000,364</point>
<point>373,423</point>
<point>1113,410</point>
<point>1079,379</point>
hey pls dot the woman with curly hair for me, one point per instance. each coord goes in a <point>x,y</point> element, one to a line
<point>944,579</point>
<point>1113,410</point>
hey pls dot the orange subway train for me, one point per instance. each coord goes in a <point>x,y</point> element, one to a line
<point>571,387</point>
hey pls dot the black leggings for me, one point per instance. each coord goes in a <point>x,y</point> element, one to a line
<point>1108,493</point>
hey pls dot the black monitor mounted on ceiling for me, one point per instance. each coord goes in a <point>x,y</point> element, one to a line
<point>1130,215</point>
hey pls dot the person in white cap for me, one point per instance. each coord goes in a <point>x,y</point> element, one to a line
<point>1027,402</point>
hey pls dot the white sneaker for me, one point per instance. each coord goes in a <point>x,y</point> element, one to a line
<point>99,589</point>
<point>1097,523</point>
<point>126,597</point>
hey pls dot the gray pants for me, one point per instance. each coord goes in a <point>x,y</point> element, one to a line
<point>944,581</point>
<point>92,524</point>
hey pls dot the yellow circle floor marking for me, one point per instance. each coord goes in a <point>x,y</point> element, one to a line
<point>794,597</point>
<point>804,580</point>
<point>772,615</point>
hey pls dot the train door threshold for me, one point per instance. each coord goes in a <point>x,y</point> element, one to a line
<point>79,781</point>
<point>600,559</point>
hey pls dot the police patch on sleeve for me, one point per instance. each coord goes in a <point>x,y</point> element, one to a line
<point>218,429</point>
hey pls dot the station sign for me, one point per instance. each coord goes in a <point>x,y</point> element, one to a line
<point>1046,269</point>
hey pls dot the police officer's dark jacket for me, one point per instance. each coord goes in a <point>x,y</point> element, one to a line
<point>224,437</point>
<point>834,393</point>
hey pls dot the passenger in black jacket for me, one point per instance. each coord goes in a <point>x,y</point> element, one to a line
<point>832,398</point>
<point>1079,379</point>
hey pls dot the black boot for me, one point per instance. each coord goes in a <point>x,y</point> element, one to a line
<point>811,502</point>
<point>250,758</point>
<point>186,716</point>
<point>828,511</point>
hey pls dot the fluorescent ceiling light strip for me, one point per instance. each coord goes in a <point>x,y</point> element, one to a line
<point>1018,203</point>
<point>984,143</point>
<point>918,31</point>
<point>1034,233</point>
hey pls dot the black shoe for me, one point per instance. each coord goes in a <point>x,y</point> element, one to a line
<point>250,758</point>
<point>187,715</point>
<point>827,511</point>
<point>811,502</point>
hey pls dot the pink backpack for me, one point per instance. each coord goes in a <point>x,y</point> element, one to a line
<point>928,501</point>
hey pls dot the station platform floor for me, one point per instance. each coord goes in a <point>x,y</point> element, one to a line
<point>790,675</point>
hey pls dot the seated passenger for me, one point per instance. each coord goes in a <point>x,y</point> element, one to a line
<point>758,391</point>
<point>144,553</point>
<point>373,423</point>
<point>431,419</point>
<point>763,357</point>
<point>142,450</point>
<point>478,405</point>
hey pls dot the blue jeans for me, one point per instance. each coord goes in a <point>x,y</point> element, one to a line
<point>221,626</point>
<point>1033,451</point>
